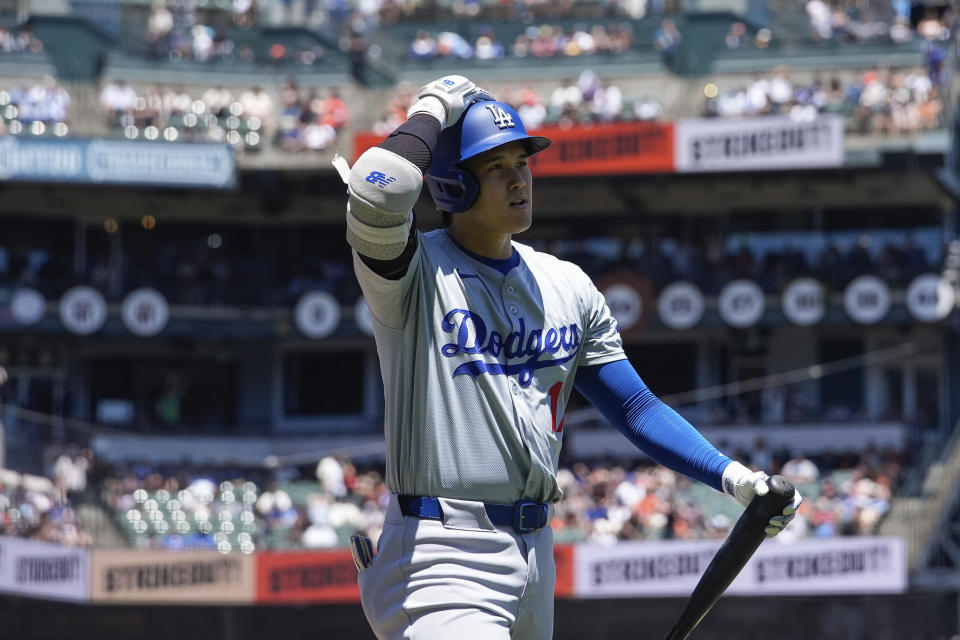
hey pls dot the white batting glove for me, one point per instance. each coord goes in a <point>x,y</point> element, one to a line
<point>742,484</point>
<point>446,98</point>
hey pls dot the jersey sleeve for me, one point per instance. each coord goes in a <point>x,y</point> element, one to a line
<point>388,298</point>
<point>601,339</point>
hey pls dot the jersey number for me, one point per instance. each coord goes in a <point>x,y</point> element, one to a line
<point>555,405</point>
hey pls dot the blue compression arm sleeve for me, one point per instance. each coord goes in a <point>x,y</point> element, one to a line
<point>621,396</point>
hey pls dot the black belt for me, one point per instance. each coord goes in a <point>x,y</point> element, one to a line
<point>523,515</point>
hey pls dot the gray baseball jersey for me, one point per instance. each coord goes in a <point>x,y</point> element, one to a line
<point>477,368</point>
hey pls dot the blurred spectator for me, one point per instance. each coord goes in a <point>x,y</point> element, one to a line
<point>259,104</point>
<point>159,26</point>
<point>118,99</point>
<point>667,40</point>
<point>607,102</point>
<point>44,101</point>
<point>453,45</point>
<point>530,107</point>
<point>218,100</point>
<point>423,47</point>
<point>31,507</point>
<point>736,37</point>
<point>488,47</point>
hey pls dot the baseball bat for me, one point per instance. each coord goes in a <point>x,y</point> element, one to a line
<point>741,543</point>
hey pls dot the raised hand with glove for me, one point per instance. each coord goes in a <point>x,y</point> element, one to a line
<point>742,484</point>
<point>446,99</point>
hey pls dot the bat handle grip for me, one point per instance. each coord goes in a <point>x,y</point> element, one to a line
<point>779,497</point>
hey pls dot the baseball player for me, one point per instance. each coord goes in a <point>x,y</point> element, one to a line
<point>481,340</point>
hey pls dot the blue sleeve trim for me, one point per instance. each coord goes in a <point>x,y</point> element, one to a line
<point>620,395</point>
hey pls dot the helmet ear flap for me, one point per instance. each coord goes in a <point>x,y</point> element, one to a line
<point>454,194</point>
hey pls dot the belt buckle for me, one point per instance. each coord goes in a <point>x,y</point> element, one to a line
<point>525,511</point>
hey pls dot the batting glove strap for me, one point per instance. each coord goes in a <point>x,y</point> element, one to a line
<point>446,98</point>
<point>742,484</point>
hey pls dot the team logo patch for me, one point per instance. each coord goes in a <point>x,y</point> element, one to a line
<point>500,117</point>
<point>525,351</point>
<point>380,179</point>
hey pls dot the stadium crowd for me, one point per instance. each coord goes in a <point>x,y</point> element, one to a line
<point>39,107</point>
<point>39,508</point>
<point>844,22</point>
<point>18,39</point>
<point>536,41</point>
<point>585,99</point>
<point>604,501</point>
<point>878,101</point>
<point>296,119</point>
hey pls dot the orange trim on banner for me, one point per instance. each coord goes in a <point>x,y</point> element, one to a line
<point>625,147</point>
<point>563,558</point>
<point>320,576</point>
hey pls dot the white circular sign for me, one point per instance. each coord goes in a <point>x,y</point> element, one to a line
<point>145,312</point>
<point>741,303</point>
<point>867,299</point>
<point>930,298</point>
<point>83,310</point>
<point>361,315</point>
<point>317,314</point>
<point>28,306</point>
<point>803,302</point>
<point>680,305</point>
<point>625,304</point>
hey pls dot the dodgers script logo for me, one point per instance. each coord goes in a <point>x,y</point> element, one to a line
<point>472,337</point>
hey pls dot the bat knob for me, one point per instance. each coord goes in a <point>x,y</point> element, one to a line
<point>781,486</point>
<point>776,499</point>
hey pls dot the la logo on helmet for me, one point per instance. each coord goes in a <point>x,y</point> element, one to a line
<point>500,117</point>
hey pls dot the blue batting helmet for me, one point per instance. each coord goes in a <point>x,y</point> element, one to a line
<point>484,125</point>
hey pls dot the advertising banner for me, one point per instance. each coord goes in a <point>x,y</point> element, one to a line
<point>672,568</point>
<point>306,576</point>
<point>824,566</point>
<point>627,147</point>
<point>44,570</point>
<point>563,559</point>
<point>640,568</point>
<point>171,164</point>
<point>172,577</point>
<point>758,144</point>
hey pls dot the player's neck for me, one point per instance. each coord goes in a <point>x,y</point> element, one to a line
<point>489,245</point>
